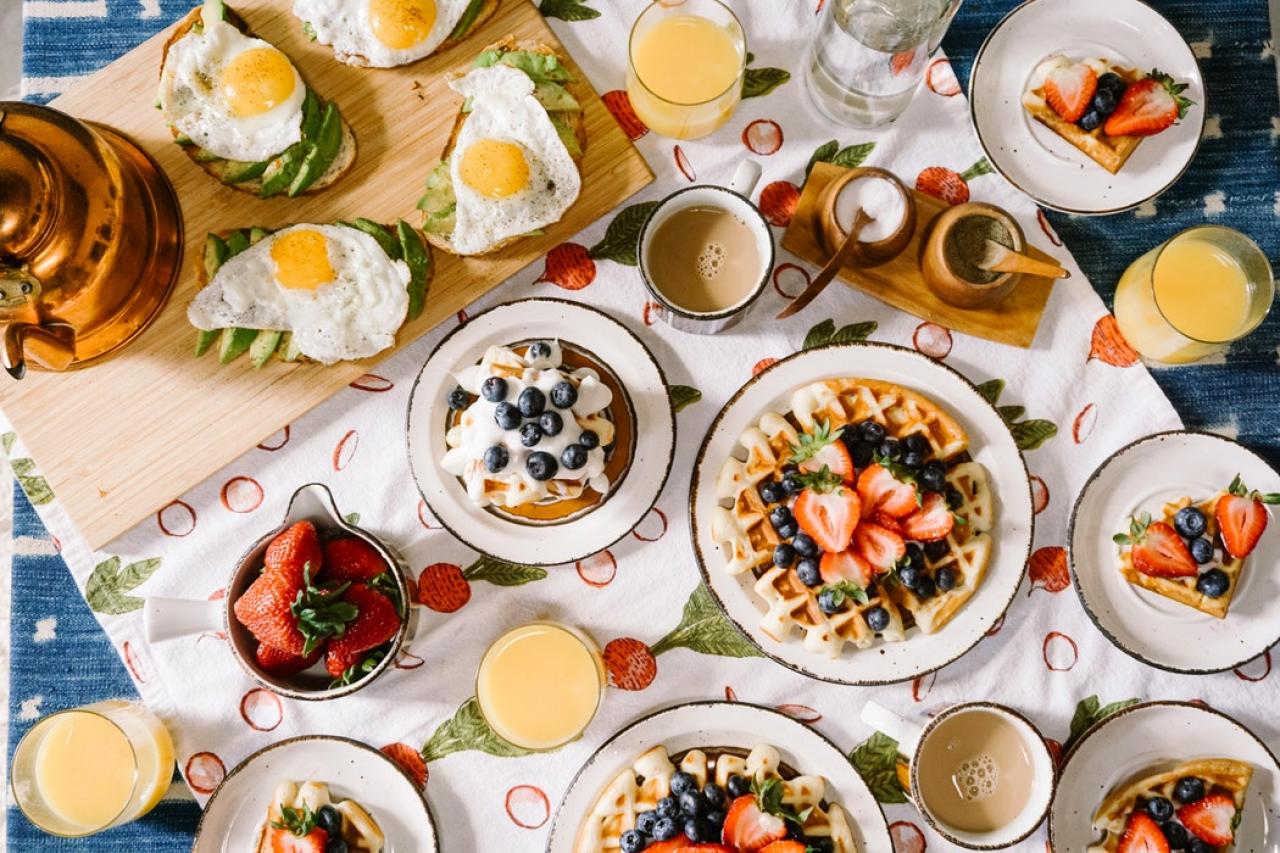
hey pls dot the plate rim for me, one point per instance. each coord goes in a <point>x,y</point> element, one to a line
<point>1071,551</point>
<point>413,396</point>
<point>1036,197</point>
<point>700,559</point>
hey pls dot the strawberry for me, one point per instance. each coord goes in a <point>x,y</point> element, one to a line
<point>827,510</point>
<point>1142,835</point>
<point>1148,106</point>
<point>282,664</point>
<point>681,843</point>
<point>291,551</point>
<point>296,832</point>
<point>376,621</point>
<point>1242,517</point>
<point>1069,89</point>
<point>888,522</point>
<point>788,846</point>
<point>351,558</point>
<point>821,449</point>
<point>881,491</point>
<point>265,609</point>
<point>1157,549</point>
<point>1211,819</point>
<point>749,828</point>
<point>930,522</point>
<point>879,547</point>
<point>839,566</point>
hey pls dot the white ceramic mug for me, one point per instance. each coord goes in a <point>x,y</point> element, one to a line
<point>912,738</point>
<point>734,198</point>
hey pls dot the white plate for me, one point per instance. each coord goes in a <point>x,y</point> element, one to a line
<point>990,444</point>
<point>1154,629</point>
<point>704,725</point>
<point>611,343</point>
<point>1145,737</point>
<point>353,771</point>
<point>1038,161</point>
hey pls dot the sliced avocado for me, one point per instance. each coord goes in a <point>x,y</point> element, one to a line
<point>386,241</point>
<point>239,171</point>
<point>311,114</point>
<point>308,30</point>
<point>468,18</point>
<point>438,201</point>
<point>289,348</point>
<point>567,136</point>
<point>181,138</point>
<point>203,156</point>
<point>281,171</point>
<point>555,97</point>
<point>237,242</point>
<point>205,339</point>
<point>215,253</point>
<point>415,255</point>
<point>263,346</point>
<point>234,342</point>
<point>256,233</point>
<point>322,153</point>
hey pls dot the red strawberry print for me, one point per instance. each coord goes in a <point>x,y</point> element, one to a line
<point>1047,228</point>
<point>1084,422</point>
<point>651,312</point>
<point>377,621</point>
<point>568,266</point>
<point>1242,517</point>
<point>803,713</point>
<point>528,806</point>
<point>847,565</point>
<point>880,490</point>
<point>442,587</point>
<point>409,760</point>
<point>922,686</point>
<point>272,444</point>
<point>177,518</point>
<point>372,383</point>
<point>1109,346</point>
<point>131,662</point>
<point>630,664</point>
<point>778,202</point>
<point>261,709</point>
<point>762,364</point>
<point>932,340</point>
<point>931,522</point>
<point>425,518</point>
<point>350,558</point>
<point>797,280</point>
<point>1266,669</point>
<point>940,77</point>
<point>408,660</point>
<point>1148,106</point>
<point>995,627</point>
<point>204,772</point>
<point>1159,552</point>
<point>748,828</point>
<point>1039,494</point>
<point>654,526</point>
<point>618,102</point>
<point>763,136</point>
<point>280,664</point>
<point>293,551</point>
<point>1055,752</point>
<point>951,187</point>
<point>683,164</point>
<point>730,695</point>
<point>1069,90</point>
<point>599,569</point>
<point>241,494</point>
<point>1142,835</point>
<point>1048,570</point>
<point>906,837</point>
<point>345,449</point>
<point>901,61</point>
<point>1060,640</point>
<point>881,548</point>
<point>828,512</point>
<point>1211,819</point>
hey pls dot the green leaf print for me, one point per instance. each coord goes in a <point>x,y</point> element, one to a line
<point>7,440</point>
<point>822,154</point>
<point>705,629</point>
<point>758,82</point>
<point>108,584</point>
<point>826,333</point>
<point>502,573</point>
<point>876,760</point>
<point>683,396</point>
<point>567,10</point>
<point>36,487</point>
<point>848,157</point>
<point>467,730</point>
<point>1090,711</point>
<point>991,390</point>
<point>1027,434</point>
<point>619,243</point>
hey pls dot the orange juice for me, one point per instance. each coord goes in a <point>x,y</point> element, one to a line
<point>539,685</point>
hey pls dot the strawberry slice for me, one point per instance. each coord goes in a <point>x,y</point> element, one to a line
<point>846,565</point>
<point>1210,819</point>
<point>681,843</point>
<point>1160,553</point>
<point>1148,106</point>
<point>881,491</point>
<point>879,547</point>
<point>1069,89</point>
<point>827,510</point>
<point>1142,835</point>
<point>788,846</point>
<point>823,449</point>
<point>888,522</point>
<point>1242,517</point>
<point>748,828</point>
<point>930,522</point>
<point>284,841</point>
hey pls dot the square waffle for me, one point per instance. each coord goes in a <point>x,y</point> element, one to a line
<point>639,787</point>
<point>741,527</point>
<point>1109,152</point>
<point>1220,775</point>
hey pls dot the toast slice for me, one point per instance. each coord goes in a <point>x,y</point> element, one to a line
<point>302,169</point>
<point>476,14</point>
<point>1109,152</point>
<point>436,204</point>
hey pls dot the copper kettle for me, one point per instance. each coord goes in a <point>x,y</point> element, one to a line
<point>90,239</point>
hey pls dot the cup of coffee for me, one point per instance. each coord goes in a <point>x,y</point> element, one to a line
<point>981,775</point>
<point>706,252</point>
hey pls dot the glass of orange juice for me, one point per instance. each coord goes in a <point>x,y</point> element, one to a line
<point>685,68</point>
<point>1194,294</point>
<point>78,772</point>
<point>540,685</point>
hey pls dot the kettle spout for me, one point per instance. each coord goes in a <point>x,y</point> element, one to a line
<point>52,345</point>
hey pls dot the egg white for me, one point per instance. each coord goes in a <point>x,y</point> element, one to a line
<point>354,316</point>
<point>344,25</point>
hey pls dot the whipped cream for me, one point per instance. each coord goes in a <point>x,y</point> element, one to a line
<point>477,430</point>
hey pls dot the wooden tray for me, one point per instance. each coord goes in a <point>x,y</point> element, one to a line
<point>898,282</point>
<point>119,440</point>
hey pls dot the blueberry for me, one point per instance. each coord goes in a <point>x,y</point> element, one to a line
<point>827,602</point>
<point>531,402</point>
<point>563,395</point>
<point>667,807</point>
<point>784,554</point>
<point>541,465</point>
<point>1213,583</point>
<point>890,449</point>
<point>336,845</point>
<point>714,819</point>
<point>1189,789</point>
<point>916,443</point>
<point>862,453</point>
<point>540,349</point>
<point>924,587</point>
<point>912,460</point>
<point>664,829</point>
<point>955,499</point>
<point>692,829</point>
<point>645,822</point>
<point>496,458</point>
<point>1189,522</point>
<point>871,431</point>
<point>691,803</point>
<point>573,457</point>
<point>530,434</point>
<point>1175,834</point>
<point>1090,120</point>
<point>1113,83</point>
<point>805,546</point>
<point>1104,102</point>
<point>589,439</point>
<point>909,575</point>
<point>737,786</point>
<point>633,841</point>
<point>682,783</point>
<point>1160,809</point>
<point>1202,550</point>
<point>507,416</point>
<point>932,477</point>
<point>459,398</point>
<point>790,468</point>
<point>946,578</point>
<point>779,516</point>
<point>551,423</point>
<point>791,483</point>
<point>936,549</point>
<point>713,796</point>
<point>808,572</point>
<point>788,530</point>
<point>1195,845</point>
<point>494,389</point>
<point>328,819</point>
<point>915,555</point>
<point>771,492</point>
<point>877,618</point>
<point>820,844</point>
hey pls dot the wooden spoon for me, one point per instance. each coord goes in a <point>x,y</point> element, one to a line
<point>860,220</point>
<point>1000,258</point>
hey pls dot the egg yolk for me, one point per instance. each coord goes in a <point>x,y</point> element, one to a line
<point>495,168</point>
<point>257,80</point>
<point>400,24</point>
<point>302,260</point>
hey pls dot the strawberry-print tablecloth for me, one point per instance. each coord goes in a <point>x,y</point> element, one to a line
<point>1071,400</point>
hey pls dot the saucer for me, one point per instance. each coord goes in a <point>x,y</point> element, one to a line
<point>991,445</point>
<point>704,725</point>
<point>1038,161</point>
<point>1154,629</point>
<point>352,770</point>
<point>629,500</point>
<point>1141,738</point>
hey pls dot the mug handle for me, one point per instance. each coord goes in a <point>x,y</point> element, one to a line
<point>745,178</point>
<point>166,619</point>
<point>904,731</point>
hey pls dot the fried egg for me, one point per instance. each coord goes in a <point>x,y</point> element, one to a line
<point>381,33</point>
<point>331,286</point>
<point>235,96</point>
<point>511,172</point>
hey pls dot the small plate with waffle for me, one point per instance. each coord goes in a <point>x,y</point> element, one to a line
<point>540,416</point>
<point>1162,776</point>
<point>1173,537</point>
<point>712,765</point>
<point>861,528</point>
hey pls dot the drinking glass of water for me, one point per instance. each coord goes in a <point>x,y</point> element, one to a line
<point>869,56</point>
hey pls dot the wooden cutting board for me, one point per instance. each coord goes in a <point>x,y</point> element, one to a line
<point>119,440</point>
<point>899,283</point>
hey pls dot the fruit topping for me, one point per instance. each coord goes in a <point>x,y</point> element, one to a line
<point>550,423</point>
<point>771,492</point>
<point>1201,550</point>
<point>459,399</point>
<point>826,510</point>
<point>1157,550</point>
<point>871,431</point>
<point>573,457</point>
<point>822,449</point>
<point>496,458</point>
<point>1160,809</point>
<point>877,618</point>
<point>1148,106</point>
<point>946,578</point>
<point>541,465</point>
<point>531,402</point>
<point>748,827</point>
<point>1213,583</point>
<point>494,389</point>
<point>1069,90</point>
<point>1242,517</point>
<point>809,571</point>
<point>805,546</point>
<point>506,416</point>
<point>837,566</point>
<point>1211,819</point>
<point>1189,789</point>
<point>880,490</point>
<point>1142,835</point>
<point>784,554</point>
<point>932,521</point>
<point>589,439</point>
<point>1189,522</point>
<point>563,395</point>
<point>530,434</point>
<point>881,548</point>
